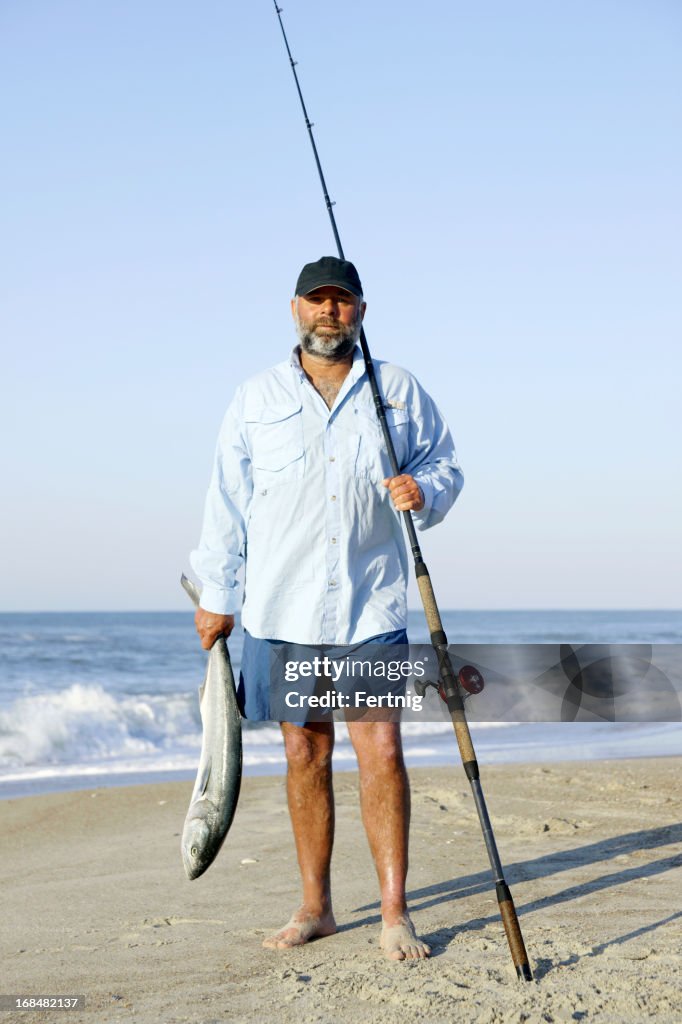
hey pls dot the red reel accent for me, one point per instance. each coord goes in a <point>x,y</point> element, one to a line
<point>471,679</point>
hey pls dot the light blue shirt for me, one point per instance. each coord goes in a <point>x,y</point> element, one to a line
<point>296,497</point>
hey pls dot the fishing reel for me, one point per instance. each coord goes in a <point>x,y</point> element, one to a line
<point>468,677</point>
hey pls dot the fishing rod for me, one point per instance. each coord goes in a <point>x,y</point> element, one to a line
<point>449,681</point>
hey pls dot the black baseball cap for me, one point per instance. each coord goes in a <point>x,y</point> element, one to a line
<point>329,271</point>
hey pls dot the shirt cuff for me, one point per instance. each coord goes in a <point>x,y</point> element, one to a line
<point>427,490</point>
<point>220,600</point>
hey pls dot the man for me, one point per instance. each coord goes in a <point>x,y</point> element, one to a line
<point>302,496</point>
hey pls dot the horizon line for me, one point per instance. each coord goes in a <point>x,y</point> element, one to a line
<point>189,611</point>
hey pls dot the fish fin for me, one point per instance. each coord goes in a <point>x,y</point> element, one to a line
<point>202,780</point>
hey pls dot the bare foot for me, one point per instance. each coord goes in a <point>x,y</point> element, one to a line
<point>399,941</point>
<point>302,927</point>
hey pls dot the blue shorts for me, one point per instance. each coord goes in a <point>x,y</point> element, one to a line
<point>266,692</point>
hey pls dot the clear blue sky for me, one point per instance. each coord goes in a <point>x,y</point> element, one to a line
<point>507,179</point>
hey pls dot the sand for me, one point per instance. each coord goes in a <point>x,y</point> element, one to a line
<point>95,902</point>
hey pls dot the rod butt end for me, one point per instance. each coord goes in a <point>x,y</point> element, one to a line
<point>523,972</point>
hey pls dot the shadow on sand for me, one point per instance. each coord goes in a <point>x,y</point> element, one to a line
<point>580,857</point>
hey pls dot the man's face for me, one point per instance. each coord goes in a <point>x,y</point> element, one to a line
<point>328,321</point>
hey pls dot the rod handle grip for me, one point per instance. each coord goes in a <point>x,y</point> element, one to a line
<point>512,930</point>
<point>433,619</point>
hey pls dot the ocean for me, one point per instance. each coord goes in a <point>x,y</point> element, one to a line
<point>106,698</point>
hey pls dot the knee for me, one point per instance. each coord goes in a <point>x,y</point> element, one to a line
<point>308,752</point>
<point>379,748</point>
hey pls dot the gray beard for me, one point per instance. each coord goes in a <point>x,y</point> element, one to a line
<point>332,347</point>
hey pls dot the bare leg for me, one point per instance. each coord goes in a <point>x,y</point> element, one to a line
<point>385,800</point>
<point>311,807</point>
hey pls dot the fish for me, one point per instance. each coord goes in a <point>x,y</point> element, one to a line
<point>216,790</point>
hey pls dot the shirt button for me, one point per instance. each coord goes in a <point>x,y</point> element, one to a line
<point>333,540</point>
<point>333,498</point>
<point>332,583</point>
<point>332,458</point>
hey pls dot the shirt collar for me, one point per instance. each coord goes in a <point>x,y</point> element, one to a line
<point>356,371</point>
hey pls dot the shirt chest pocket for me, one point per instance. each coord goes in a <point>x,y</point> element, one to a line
<point>275,434</point>
<point>371,454</point>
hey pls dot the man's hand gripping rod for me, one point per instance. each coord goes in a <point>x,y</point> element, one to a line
<point>449,684</point>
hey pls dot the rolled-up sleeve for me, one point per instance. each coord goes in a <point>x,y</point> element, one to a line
<point>433,460</point>
<point>222,547</point>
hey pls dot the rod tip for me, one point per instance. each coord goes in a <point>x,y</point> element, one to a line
<point>524,972</point>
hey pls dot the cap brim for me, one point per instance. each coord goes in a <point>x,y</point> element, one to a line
<point>333,284</point>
